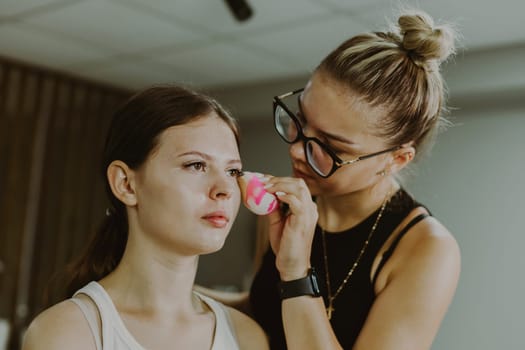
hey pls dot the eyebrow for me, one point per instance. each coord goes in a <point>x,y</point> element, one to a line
<point>207,156</point>
<point>327,134</point>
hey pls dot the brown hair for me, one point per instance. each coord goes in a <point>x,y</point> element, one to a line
<point>398,71</point>
<point>133,135</point>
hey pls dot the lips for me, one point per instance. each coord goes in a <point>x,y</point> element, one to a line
<point>217,219</point>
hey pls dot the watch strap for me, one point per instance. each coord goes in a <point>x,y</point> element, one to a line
<point>303,286</point>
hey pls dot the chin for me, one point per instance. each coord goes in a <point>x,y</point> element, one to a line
<point>212,244</point>
<point>211,249</point>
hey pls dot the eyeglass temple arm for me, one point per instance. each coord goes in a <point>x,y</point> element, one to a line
<point>280,97</point>
<point>351,161</point>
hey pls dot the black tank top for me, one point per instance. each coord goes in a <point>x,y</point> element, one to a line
<point>353,303</point>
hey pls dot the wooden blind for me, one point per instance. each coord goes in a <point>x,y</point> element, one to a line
<point>52,129</point>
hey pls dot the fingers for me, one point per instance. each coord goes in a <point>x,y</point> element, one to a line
<point>293,234</point>
<point>291,191</point>
<point>254,196</point>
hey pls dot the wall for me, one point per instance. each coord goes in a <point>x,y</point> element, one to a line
<point>474,184</point>
<point>51,192</point>
<point>473,181</point>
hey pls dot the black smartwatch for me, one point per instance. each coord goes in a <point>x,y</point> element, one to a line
<point>303,286</point>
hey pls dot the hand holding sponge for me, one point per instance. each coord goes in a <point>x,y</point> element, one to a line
<point>254,195</point>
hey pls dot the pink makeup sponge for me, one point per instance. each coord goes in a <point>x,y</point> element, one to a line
<point>254,195</point>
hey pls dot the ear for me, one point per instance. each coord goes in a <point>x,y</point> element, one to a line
<point>120,179</point>
<point>402,157</point>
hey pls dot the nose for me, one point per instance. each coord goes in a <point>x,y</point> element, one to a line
<point>222,186</point>
<point>297,151</point>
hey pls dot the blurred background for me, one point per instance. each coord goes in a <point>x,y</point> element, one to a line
<point>66,64</point>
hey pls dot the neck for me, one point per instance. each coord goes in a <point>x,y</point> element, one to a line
<point>152,282</point>
<point>338,213</point>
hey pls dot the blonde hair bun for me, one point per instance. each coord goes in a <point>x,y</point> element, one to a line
<point>424,41</point>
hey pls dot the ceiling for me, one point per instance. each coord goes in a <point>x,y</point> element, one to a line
<point>133,43</point>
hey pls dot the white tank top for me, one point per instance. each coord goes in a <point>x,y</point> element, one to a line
<point>115,336</point>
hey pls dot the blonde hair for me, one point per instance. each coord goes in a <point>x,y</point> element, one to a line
<point>398,70</point>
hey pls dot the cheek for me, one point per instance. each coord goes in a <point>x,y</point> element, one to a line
<point>164,197</point>
<point>236,199</point>
<point>346,180</point>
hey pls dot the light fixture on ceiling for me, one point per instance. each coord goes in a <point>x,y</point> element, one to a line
<point>240,9</point>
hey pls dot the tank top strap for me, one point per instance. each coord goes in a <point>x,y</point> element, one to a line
<point>114,333</point>
<point>225,335</point>
<point>92,315</point>
<point>388,253</point>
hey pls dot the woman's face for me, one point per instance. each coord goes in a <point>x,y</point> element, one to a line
<point>336,115</point>
<point>187,192</point>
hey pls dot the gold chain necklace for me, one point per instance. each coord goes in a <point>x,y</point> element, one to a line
<point>331,298</point>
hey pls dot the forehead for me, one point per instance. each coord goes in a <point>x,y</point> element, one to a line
<point>208,134</point>
<point>333,107</point>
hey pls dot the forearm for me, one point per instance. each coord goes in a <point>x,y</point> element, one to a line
<point>306,325</point>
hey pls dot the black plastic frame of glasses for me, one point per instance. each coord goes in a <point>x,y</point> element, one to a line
<point>337,161</point>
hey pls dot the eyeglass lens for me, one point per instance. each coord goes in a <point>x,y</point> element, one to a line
<point>318,159</point>
<point>316,155</point>
<point>285,125</point>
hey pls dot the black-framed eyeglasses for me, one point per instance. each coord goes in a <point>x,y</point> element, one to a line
<point>320,157</point>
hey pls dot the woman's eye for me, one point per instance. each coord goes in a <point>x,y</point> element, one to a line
<point>339,151</point>
<point>199,166</point>
<point>335,149</point>
<point>345,153</point>
<point>301,118</point>
<point>235,172</point>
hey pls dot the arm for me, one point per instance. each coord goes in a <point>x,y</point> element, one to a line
<point>306,325</point>
<point>414,291</point>
<point>62,326</point>
<point>418,284</point>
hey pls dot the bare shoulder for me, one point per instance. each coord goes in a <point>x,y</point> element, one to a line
<point>414,289</point>
<point>429,249</point>
<point>249,333</point>
<point>432,239</point>
<point>62,326</point>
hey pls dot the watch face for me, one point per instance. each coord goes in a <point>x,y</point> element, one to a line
<point>315,285</point>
